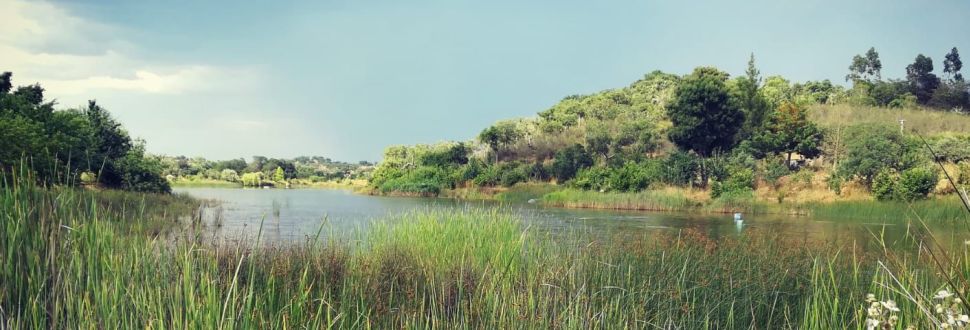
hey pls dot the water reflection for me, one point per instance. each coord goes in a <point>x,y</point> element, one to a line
<point>295,215</point>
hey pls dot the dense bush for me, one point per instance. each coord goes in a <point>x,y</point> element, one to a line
<point>62,144</point>
<point>953,148</point>
<point>884,185</point>
<point>739,181</point>
<point>871,149</point>
<point>569,161</point>
<point>911,184</point>
<point>635,176</point>
<point>593,178</point>
<point>680,168</point>
<point>916,183</point>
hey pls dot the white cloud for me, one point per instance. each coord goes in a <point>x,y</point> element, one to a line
<point>73,57</point>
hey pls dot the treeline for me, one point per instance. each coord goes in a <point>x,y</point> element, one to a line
<point>261,171</point>
<point>703,130</point>
<point>71,146</point>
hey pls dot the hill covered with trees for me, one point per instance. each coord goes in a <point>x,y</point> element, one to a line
<point>718,139</point>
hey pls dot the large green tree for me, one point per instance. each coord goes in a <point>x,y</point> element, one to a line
<point>706,118</point>
<point>501,134</point>
<point>753,103</point>
<point>866,67</point>
<point>952,65</point>
<point>922,82</point>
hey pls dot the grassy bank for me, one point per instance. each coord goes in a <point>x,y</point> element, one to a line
<point>947,208</point>
<point>68,263</point>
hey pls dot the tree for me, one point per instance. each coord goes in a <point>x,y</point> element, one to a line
<point>865,68</point>
<point>776,89</point>
<point>598,139</point>
<point>789,131</point>
<point>952,65</point>
<point>229,175</point>
<point>922,81</point>
<point>498,135</point>
<point>706,118</point>
<point>752,103</point>
<point>5,82</point>
<point>278,175</point>
<point>568,161</point>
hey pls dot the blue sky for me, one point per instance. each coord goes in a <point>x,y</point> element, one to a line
<point>344,79</point>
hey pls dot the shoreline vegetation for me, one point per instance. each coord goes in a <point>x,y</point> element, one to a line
<point>709,142</point>
<point>352,184</point>
<point>72,260</point>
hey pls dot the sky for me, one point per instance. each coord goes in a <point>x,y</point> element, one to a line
<point>345,79</point>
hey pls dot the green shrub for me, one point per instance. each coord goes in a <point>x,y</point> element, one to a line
<point>952,147</point>
<point>593,178</point>
<point>835,184</point>
<point>884,185</point>
<point>569,161</point>
<point>635,177</point>
<point>488,176</point>
<point>739,181</point>
<point>916,183</point>
<point>513,173</point>
<point>680,168</point>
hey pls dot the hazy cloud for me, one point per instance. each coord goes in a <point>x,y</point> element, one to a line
<point>73,57</point>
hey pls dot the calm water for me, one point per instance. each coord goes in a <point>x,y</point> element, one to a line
<point>292,215</point>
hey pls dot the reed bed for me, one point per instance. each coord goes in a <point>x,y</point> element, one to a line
<point>70,263</point>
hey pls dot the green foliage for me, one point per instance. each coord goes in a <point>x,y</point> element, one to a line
<point>865,68</point>
<point>951,147</point>
<point>884,185</point>
<point>922,82</point>
<point>60,145</point>
<point>254,179</point>
<point>88,178</point>
<point>593,178</point>
<point>569,161</point>
<point>753,104</point>
<point>952,94</point>
<point>229,175</point>
<point>916,183</point>
<point>789,131</point>
<point>513,173</point>
<point>680,168</point>
<point>871,149</point>
<point>705,116</point>
<point>912,184</point>
<point>489,176</point>
<point>740,181</point>
<point>817,92</point>
<point>278,175</point>
<point>423,180</point>
<point>501,134</point>
<point>774,170</point>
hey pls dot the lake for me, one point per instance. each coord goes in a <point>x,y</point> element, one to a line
<point>293,215</point>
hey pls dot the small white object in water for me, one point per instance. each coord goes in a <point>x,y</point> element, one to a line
<point>737,216</point>
<point>532,200</point>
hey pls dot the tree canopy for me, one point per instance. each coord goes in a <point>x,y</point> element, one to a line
<point>706,118</point>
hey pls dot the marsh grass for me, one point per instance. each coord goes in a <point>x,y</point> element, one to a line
<point>69,262</point>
